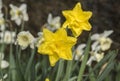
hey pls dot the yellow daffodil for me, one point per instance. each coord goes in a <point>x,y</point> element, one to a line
<point>57,45</point>
<point>77,20</point>
<point>47,79</point>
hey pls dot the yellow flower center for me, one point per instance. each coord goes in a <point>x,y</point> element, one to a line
<point>18,12</point>
<point>25,38</point>
<point>2,21</point>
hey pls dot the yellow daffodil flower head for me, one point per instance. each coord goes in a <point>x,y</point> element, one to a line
<point>77,20</point>
<point>47,79</point>
<point>57,45</point>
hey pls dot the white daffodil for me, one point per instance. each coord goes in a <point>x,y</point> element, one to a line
<point>19,14</point>
<point>3,64</point>
<point>53,23</point>
<point>105,43</point>
<point>94,54</point>
<point>24,39</point>
<point>2,22</point>
<point>95,57</point>
<point>79,51</point>
<point>103,39</point>
<point>7,37</point>
<point>40,39</point>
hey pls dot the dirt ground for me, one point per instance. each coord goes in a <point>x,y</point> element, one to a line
<point>106,14</point>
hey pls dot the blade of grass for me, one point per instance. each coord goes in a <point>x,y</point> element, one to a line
<point>14,73</point>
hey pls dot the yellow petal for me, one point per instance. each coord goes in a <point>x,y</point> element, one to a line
<point>87,15</point>
<point>68,15</point>
<point>85,26</point>
<point>84,16</point>
<point>77,7</point>
<point>53,59</point>
<point>46,48</point>
<point>66,54</point>
<point>48,35</point>
<point>65,24</point>
<point>71,41</point>
<point>61,34</point>
<point>76,30</point>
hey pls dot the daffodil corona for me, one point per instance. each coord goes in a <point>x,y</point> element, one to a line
<point>57,45</point>
<point>77,20</point>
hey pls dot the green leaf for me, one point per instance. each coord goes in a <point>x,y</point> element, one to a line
<point>92,75</point>
<point>106,72</point>
<point>29,65</point>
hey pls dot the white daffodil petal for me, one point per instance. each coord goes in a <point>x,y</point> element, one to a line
<point>79,52</point>
<point>99,57</point>
<point>56,19</point>
<point>94,45</point>
<point>13,7</point>
<point>26,18</point>
<point>81,46</point>
<point>91,59</point>
<point>18,21</point>
<point>4,64</point>
<point>95,36</point>
<point>5,76</point>
<point>23,7</point>
<point>49,18</point>
<point>107,33</point>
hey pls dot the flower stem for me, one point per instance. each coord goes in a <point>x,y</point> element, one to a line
<point>68,71</point>
<point>60,70</point>
<point>84,61</point>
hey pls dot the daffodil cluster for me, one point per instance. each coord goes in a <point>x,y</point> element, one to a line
<point>18,14</point>
<point>59,45</point>
<point>54,40</point>
<point>101,43</point>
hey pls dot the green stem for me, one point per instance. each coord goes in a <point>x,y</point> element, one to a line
<point>68,71</point>
<point>60,70</point>
<point>29,63</point>
<point>22,25</point>
<point>92,76</point>
<point>84,61</point>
